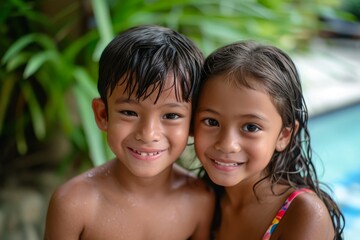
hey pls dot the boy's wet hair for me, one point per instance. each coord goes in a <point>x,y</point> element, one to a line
<point>253,65</point>
<point>143,57</point>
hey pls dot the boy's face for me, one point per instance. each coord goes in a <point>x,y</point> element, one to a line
<point>145,137</point>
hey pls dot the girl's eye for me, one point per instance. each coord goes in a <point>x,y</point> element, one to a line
<point>211,122</point>
<point>171,116</point>
<point>251,128</point>
<point>129,113</point>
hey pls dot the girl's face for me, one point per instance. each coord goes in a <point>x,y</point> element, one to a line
<point>237,130</point>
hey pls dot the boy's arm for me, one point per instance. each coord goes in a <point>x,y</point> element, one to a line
<point>205,211</point>
<point>65,216</point>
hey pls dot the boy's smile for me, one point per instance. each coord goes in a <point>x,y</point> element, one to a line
<point>146,154</point>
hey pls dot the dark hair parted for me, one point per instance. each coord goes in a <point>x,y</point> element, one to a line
<point>251,64</point>
<point>143,57</point>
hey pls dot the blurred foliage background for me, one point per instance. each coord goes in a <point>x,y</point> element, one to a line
<point>49,53</point>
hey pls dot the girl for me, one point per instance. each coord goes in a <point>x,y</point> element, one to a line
<point>251,137</point>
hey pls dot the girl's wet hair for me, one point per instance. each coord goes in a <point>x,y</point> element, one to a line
<point>251,64</point>
<point>143,57</point>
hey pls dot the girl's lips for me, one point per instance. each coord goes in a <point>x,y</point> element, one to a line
<point>226,164</point>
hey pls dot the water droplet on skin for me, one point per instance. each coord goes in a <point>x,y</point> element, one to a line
<point>90,174</point>
<point>107,173</point>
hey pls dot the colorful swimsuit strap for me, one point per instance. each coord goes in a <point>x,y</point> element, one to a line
<point>282,211</point>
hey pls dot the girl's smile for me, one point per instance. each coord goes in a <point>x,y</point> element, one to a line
<point>225,163</point>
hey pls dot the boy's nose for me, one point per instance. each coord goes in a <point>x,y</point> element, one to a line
<point>228,142</point>
<point>148,131</point>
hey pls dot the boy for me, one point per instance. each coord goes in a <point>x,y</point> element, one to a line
<point>148,76</point>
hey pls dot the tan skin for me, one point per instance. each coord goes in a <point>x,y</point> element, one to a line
<point>141,194</point>
<point>237,129</point>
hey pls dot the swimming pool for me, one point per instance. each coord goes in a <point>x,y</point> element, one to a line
<point>336,144</point>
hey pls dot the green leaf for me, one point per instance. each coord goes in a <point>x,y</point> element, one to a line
<point>20,135</point>
<point>18,46</point>
<point>6,91</point>
<point>103,25</point>
<point>37,61</point>
<point>103,20</point>
<point>92,133</point>
<point>35,111</point>
<point>78,45</point>
<point>17,61</point>
<point>22,42</point>
<point>85,82</point>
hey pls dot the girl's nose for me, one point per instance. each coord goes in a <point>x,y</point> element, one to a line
<point>148,130</point>
<point>228,142</point>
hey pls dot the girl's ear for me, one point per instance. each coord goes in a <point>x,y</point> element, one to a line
<point>285,136</point>
<point>100,113</point>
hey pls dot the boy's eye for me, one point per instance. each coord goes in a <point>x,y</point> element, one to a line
<point>251,128</point>
<point>171,116</point>
<point>211,122</point>
<point>129,113</point>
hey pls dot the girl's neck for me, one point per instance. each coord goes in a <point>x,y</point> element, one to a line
<point>244,193</point>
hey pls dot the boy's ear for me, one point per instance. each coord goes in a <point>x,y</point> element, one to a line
<point>284,137</point>
<point>100,113</point>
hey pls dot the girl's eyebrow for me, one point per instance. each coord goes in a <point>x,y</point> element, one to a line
<point>257,116</point>
<point>208,110</point>
<point>249,115</point>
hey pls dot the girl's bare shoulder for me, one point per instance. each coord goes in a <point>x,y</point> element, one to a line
<point>307,218</point>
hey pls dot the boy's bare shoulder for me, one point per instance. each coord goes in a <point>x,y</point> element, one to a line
<point>74,205</point>
<point>77,187</point>
<point>83,189</point>
<point>308,217</point>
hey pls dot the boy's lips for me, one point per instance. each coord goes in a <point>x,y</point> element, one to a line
<point>147,153</point>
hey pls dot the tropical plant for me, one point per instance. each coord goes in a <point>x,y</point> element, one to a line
<point>47,69</point>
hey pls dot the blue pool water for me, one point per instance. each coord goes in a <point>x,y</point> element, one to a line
<point>336,144</point>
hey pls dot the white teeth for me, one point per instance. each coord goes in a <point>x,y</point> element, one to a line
<point>226,164</point>
<point>146,153</point>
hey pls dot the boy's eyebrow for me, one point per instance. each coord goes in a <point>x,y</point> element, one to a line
<point>125,100</point>
<point>133,101</point>
<point>178,104</point>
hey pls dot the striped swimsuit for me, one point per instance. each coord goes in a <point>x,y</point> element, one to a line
<point>282,211</point>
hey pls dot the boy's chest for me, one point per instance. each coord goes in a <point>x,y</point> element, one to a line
<point>142,221</point>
